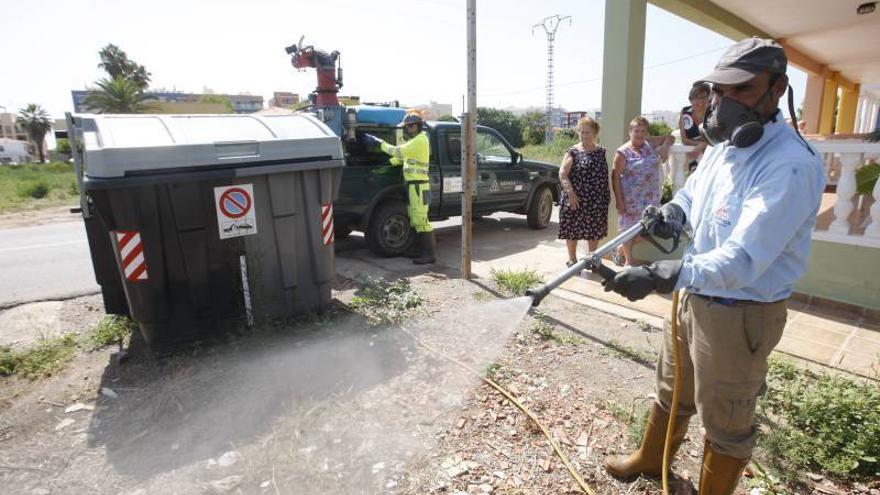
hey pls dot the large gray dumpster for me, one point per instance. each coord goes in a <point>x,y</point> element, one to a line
<point>196,222</point>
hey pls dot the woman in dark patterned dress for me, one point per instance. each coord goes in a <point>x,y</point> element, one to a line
<point>583,208</point>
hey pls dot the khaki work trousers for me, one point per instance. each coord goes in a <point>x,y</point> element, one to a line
<point>724,350</point>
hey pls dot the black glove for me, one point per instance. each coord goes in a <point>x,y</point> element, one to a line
<point>636,282</point>
<point>370,141</point>
<point>633,283</point>
<point>670,220</point>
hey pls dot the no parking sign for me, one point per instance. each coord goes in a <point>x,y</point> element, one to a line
<point>236,214</point>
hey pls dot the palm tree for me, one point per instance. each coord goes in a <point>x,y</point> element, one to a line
<point>118,95</point>
<point>36,123</point>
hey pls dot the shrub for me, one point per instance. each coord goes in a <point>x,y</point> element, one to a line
<point>36,190</point>
<point>821,421</point>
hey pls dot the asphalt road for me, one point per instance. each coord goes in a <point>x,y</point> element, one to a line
<point>52,261</point>
<point>44,262</point>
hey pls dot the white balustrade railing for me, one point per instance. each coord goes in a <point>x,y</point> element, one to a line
<point>842,158</point>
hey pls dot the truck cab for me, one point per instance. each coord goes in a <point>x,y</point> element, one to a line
<point>372,196</point>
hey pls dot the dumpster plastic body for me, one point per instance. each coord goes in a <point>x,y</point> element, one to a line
<point>197,223</point>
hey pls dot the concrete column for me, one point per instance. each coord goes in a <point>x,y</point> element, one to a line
<point>875,117</point>
<point>622,70</point>
<point>829,104</point>
<point>860,115</point>
<point>813,102</point>
<point>846,112</point>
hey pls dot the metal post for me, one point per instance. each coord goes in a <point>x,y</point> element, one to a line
<point>468,132</point>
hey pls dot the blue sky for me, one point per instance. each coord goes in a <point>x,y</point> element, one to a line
<point>409,50</point>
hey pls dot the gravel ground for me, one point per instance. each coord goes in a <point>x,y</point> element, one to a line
<point>341,404</point>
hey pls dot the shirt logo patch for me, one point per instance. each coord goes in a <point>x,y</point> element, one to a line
<point>722,216</point>
<point>686,121</point>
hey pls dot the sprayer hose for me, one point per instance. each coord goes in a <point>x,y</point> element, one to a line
<point>676,384</point>
<point>507,395</point>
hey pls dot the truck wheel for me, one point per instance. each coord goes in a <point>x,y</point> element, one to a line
<point>540,209</point>
<point>341,231</point>
<point>389,233</point>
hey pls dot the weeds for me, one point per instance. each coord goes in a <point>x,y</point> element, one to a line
<point>110,330</point>
<point>516,282</point>
<point>764,483</point>
<point>492,370</point>
<point>42,359</point>
<point>36,185</point>
<point>635,421</point>
<point>623,351</point>
<point>483,296</point>
<point>49,355</point>
<point>386,301</point>
<point>36,190</point>
<point>547,331</point>
<point>821,422</point>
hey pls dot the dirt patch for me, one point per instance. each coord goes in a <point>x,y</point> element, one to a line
<point>339,405</point>
<point>25,324</point>
<point>42,216</point>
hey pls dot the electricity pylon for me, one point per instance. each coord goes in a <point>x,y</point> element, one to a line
<point>550,24</point>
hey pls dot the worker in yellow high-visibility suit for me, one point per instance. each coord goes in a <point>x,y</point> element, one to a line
<point>414,155</point>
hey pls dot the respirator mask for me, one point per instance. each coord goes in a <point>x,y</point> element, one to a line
<point>732,121</point>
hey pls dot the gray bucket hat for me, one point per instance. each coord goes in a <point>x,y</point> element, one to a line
<point>747,59</point>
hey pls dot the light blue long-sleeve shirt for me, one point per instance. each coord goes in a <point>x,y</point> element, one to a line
<point>752,211</point>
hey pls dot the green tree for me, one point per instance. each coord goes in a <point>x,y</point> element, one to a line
<point>659,128</point>
<point>447,118</point>
<point>62,146</point>
<point>533,127</point>
<point>118,95</point>
<point>117,65</point>
<point>36,123</point>
<point>502,121</point>
<point>221,99</point>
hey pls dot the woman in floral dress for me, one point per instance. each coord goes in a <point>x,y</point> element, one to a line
<point>636,177</point>
<point>583,208</point>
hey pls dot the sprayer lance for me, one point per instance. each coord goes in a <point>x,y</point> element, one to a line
<point>593,261</point>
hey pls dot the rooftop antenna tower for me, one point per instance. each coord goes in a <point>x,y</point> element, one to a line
<point>550,24</point>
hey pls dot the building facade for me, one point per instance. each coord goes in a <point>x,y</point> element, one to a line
<point>240,103</point>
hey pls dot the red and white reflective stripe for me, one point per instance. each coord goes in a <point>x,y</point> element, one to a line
<point>327,223</point>
<point>131,252</point>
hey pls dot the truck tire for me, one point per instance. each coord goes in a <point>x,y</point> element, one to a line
<point>341,231</point>
<point>538,216</point>
<point>389,233</point>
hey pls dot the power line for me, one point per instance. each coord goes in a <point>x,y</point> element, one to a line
<point>599,78</point>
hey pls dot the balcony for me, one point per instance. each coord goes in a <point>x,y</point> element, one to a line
<point>845,262</point>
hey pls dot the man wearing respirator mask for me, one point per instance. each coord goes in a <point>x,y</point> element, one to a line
<point>752,205</point>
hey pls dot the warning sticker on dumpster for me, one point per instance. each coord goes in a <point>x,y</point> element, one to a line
<point>236,214</point>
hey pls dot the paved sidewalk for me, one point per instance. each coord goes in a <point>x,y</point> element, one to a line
<point>828,336</point>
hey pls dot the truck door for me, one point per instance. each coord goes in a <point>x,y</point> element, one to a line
<point>503,185</point>
<point>449,156</point>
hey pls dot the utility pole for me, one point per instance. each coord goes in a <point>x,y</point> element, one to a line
<point>550,24</point>
<point>468,151</point>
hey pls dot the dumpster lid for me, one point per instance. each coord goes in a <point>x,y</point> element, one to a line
<point>142,144</point>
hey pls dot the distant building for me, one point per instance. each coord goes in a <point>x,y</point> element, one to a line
<point>246,103</point>
<point>14,151</point>
<point>432,110</point>
<point>349,101</point>
<point>10,130</point>
<point>240,103</point>
<point>668,116</point>
<point>284,99</point>
<point>570,119</point>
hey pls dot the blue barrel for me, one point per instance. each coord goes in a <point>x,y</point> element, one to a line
<point>367,114</point>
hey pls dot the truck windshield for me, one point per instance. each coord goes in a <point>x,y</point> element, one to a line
<point>491,149</point>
